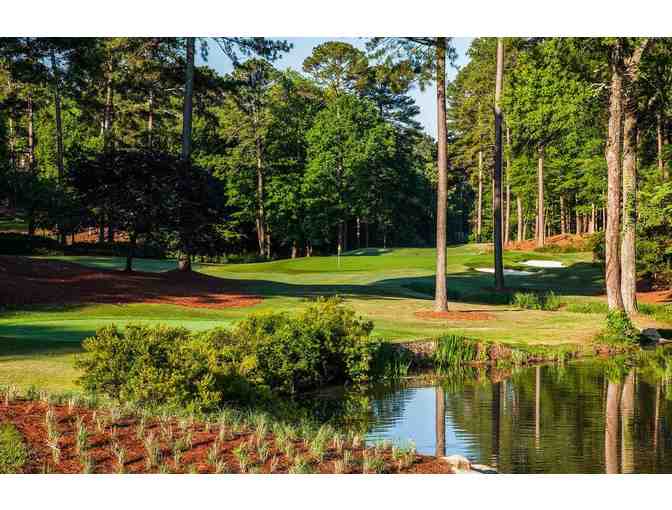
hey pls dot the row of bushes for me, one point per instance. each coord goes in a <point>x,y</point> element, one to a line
<point>323,344</point>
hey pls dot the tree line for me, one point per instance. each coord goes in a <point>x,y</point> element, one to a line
<point>536,137</point>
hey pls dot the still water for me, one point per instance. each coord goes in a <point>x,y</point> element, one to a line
<point>583,417</point>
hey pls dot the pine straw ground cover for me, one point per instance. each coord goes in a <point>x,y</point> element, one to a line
<point>72,436</point>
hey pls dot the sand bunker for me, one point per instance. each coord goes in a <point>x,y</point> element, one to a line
<point>542,263</point>
<point>511,272</point>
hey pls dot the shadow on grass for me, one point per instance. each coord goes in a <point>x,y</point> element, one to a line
<point>12,349</point>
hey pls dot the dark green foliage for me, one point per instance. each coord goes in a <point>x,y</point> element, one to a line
<point>324,344</point>
<point>392,361</point>
<point>23,244</point>
<point>159,366</point>
<point>548,301</point>
<point>619,330</point>
<point>13,452</point>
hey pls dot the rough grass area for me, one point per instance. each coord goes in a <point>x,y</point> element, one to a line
<point>391,287</point>
<point>13,453</point>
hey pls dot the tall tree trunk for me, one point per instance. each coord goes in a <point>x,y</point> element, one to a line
<point>150,119</point>
<point>184,263</point>
<point>59,128</point>
<point>440,421</point>
<point>59,122</point>
<point>479,206</point>
<point>593,219</point>
<point>188,99</point>
<point>519,217</point>
<point>131,252</point>
<point>629,179</point>
<point>441,294</point>
<point>295,249</point>
<point>31,163</point>
<point>507,220</point>
<point>540,200</point>
<point>109,102</point>
<point>261,215</point>
<point>611,428</point>
<point>497,204</point>
<point>612,154</point>
<point>562,215</point>
<point>359,233</point>
<point>662,168</point>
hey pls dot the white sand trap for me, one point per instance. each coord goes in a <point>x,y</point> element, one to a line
<point>542,263</point>
<point>512,272</point>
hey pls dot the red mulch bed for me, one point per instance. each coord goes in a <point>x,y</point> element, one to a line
<point>655,297</point>
<point>25,281</point>
<point>29,417</point>
<point>561,240</point>
<point>455,315</point>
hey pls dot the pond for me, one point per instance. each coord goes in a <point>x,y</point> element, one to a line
<point>583,417</point>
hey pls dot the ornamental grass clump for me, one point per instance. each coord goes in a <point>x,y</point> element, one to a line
<point>81,436</point>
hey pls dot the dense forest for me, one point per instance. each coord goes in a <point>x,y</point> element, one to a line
<point>129,136</point>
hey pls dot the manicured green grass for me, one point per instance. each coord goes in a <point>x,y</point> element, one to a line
<point>386,286</point>
<point>148,265</point>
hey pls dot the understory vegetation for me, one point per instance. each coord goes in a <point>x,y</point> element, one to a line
<point>13,452</point>
<point>324,344</point>
<point>98,435</point>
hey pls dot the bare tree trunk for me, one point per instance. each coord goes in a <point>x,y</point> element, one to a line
<point>519,217</point>
<point>188,99</point>
<point>31,162</point>
<point>131,252</point>
<point>261,216</point>
<point>359,233</point>
<point>184,263</point>
<point>540,204</point>
<point>295,249</point>
<point>59,123</point>
<point>497,204</point>
<point>150,118</point>
<point>109,101</point>
<point>593,219</point>
<point>629,179</point>
<point>612,154</point>
<point>659,135</point>
<point>441,294</point>
<point>562,215</point>
<point>611,428</point>
<point>507,222</point>
<point>479,207</point>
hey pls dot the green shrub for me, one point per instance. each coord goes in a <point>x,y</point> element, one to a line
<point>619,330</point>
<point>13,452</point>
<point>527,300</point>
<point>453,350</point>
<point>548,301</point>
<point>152,365</point>
<point>323,344</point>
